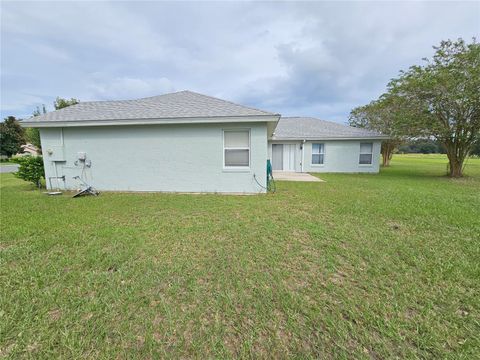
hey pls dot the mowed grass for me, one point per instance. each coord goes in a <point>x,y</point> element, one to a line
<point>360,266</point>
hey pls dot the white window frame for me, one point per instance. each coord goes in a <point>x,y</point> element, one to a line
<point>320,153</point>
<point>364,153</point>
<point>237,168</point>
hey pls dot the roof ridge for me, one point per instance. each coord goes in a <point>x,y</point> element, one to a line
<point>314,118</point>
<point>231,102</point>
<point>104,101</point>
<point>155,96</point>
<point>137,99</point>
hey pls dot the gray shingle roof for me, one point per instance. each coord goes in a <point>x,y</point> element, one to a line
<point>182,104</point>
<point>300,128</point>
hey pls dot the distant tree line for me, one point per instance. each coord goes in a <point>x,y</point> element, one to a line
<point>422,146</point>
<point>439,100</point>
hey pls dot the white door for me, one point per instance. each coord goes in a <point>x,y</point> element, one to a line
<point>277,156</point>
<point>289,157</point>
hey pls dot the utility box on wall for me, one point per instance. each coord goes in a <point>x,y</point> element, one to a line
<point>56,153</point>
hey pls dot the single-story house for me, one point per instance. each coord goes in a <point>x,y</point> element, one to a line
<point>189,142</point>
<point>28,149</point>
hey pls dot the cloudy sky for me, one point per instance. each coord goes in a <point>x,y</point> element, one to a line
<point>297,58</point>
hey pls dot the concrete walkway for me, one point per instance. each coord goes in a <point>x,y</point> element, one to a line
<point>10,168</point>
<point>294,176</point>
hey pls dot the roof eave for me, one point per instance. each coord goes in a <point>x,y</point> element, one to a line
<point>157,121</point>
<point>372,137</point>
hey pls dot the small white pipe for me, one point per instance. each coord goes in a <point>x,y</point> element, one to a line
<point>61,137</point>
<point>56,174</point>
<point>303,154</point>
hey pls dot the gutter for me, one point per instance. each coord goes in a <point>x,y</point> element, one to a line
<point>373,137</point>
<point>153,121</point>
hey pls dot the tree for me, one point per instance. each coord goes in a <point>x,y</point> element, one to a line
<point>12,136</point>
<point>37,112</point>
<point>421,146</point>
<point>61,103</point>
<point>32,136</point>
<point>476,148</point>
<point>442,99</point>
<point>381,116</point>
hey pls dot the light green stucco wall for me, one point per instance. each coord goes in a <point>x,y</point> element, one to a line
<point>340,156</point>
<point>172,158</point>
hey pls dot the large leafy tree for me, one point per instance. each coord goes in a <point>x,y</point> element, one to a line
<point>442,99</point>
<point>381,116</point>
<point>61,103</point>
<point>12,136</point>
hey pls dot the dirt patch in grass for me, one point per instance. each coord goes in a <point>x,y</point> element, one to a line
<point>55,315</point>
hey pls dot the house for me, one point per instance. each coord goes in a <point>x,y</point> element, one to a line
<point>28,149</point>
<point>189,142</point>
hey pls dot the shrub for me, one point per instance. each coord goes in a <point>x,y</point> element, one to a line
<point>30,169</point>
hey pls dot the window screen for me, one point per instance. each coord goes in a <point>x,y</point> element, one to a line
<point>318,154</point>
<point>366,153</point>
<point>236,148</point>
<point>237,139</point>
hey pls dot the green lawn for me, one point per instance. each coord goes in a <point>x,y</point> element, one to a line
<point>360,266</point>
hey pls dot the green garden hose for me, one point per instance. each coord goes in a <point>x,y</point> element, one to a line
<point>270,180</point>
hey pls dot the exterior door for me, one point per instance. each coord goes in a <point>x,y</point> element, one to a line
<point>289,157</point>
<point>277,156</point>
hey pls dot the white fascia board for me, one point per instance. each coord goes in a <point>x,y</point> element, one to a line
<point>373,137</point>
<point>119,122</point>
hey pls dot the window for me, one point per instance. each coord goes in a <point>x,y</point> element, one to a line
<point>366,153</point>
<point>318,154</point>
<point>236,148</point>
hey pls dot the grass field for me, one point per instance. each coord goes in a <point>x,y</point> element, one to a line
<point>360,266</point>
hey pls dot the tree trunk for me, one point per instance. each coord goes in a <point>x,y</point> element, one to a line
<point>387,152</point>
<point>455,160</point>
<point>455,167</point>
<point>385,159</point>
